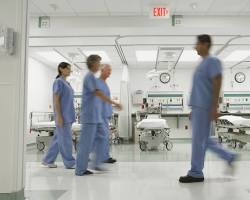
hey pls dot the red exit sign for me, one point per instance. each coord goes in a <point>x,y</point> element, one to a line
<point>160,12</point>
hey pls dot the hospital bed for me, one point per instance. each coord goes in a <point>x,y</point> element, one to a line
<point>235,130</point>
<point>114,133</point>
<point>154,131</point>
<point>44,125</point>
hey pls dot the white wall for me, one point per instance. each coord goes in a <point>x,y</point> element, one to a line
<point>228,77</point>
<point>40,82</point>
<point>183,79</point>
<point>12,101</point>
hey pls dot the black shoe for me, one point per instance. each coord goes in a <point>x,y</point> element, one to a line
<point>110,161</point>
<point>190,179</point>
<point>87,172</point>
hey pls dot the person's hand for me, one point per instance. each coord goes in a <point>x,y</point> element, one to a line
<point>60,121</point>
<point>214,113</point>
<point>118,106</point>
<point>190,115</point>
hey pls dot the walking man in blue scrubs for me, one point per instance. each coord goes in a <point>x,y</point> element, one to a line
<point>91,120</point>
<point>204,103</point>
<point>107,110</point>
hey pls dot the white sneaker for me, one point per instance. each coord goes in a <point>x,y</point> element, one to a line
<point>52,165</point>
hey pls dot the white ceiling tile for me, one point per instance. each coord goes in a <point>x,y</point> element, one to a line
<point>35,10</point>
<point>185,6</point>
<point>88,6</point>
<point>227,6</point>
<point>62,7</point>
<point>127,6</point>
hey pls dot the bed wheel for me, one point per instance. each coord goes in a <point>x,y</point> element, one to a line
<point>143,146</point>
<point>169,146</point>
<point>234,144</point>
<point>241,145</point>
<point>40,146</point>
<point>220,140</point>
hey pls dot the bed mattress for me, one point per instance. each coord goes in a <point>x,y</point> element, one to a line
<point>236,121</point>
<point>51,125</point>
<point>152,124</point>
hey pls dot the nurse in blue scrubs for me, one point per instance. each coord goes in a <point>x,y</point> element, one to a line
<point>91,119</point>
<point>64,112</point>
<point>107,109</point>
<point>204,102</point>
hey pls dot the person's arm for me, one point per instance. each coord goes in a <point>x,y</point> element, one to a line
<point>100,94</point>
<point>216,83</point>
<point>57,103</point>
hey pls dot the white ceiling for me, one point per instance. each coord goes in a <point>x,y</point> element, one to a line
<point>136,7</point>
<point>79,56</point>
<point>75,55</point>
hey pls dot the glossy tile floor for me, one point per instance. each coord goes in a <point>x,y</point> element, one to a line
<point>140,175</point>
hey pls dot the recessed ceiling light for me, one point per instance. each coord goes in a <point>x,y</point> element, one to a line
<point>189,56</point>
<point>51,56</point>
<point>103,54</point>
<point>146,55</point>
<point>237,55</point>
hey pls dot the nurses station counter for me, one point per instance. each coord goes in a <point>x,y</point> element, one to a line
<point>178,122</point>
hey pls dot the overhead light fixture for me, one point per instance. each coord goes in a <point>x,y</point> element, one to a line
<point>170,54</point>
<point>146,55</point>
<point>237,55</point>
<point>189,56</point>
<point>103,54</point>
<point>51,56</point>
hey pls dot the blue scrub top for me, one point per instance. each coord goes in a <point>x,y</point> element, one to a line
<point>202,91</point>
<point>107,109</point>
<point>91,104</point>
<point>66,93</point>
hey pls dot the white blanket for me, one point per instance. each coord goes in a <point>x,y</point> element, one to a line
<point>236,120</point>
<point>152,124</point>
<point>48,125</point>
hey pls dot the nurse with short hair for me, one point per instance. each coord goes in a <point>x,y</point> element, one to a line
<point>91,120</point>
<point>107,110</point>
<point>64,112</point>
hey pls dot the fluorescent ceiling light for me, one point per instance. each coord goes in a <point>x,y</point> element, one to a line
<point>52,56</point>
<point>146,55</point>
<point>237,55</point>
<point>103,54</point>
<point>189,56</point>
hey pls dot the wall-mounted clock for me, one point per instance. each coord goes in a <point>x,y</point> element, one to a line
<point>240,77</point>
<point>165,77</point>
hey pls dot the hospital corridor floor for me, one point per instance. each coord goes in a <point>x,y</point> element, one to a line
<point>139,175</point>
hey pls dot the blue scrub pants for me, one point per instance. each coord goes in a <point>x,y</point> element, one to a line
<point>201,141</point>
<point>90,134</point>
<point>106,132</point>
<point>61,142</point>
